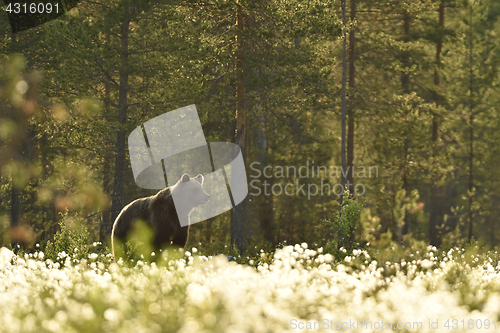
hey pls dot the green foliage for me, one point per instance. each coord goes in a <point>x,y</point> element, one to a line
<point>403,207</point>
<point>345,224</point>
<point>371,227</point>
<point>71,240</point>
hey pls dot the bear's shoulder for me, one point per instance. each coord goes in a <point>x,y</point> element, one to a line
<point>162,198</point>
<point>162,203</point>
<point>163,194</point>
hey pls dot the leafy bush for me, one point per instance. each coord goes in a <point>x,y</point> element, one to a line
<point>71,239</point>
<point>344,225</point>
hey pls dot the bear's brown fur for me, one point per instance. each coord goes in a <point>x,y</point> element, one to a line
<point>159,212</point>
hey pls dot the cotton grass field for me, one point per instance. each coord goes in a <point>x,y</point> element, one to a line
<point>294,289</point>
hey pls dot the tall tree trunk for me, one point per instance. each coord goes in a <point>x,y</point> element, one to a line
<point>106,221</point>
<point>350,110</point>
<point>238,214</point>
<point>14,197</point>
<point>265,207</point>
<point>107,177</point>
<point>436,215</point>
<point>405,84</point>
<point>471,129</point>
<point>117,199</point>
<point>344,115</point>
<point>343,99</point>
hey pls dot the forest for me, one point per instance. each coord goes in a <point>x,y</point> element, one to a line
<point>395,99</point>
<point>367,131</point>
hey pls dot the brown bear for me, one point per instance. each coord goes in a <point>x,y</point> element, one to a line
<point>160,213</point>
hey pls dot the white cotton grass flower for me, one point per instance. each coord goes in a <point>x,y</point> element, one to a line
<point>198,293</point>
<point>328,258</point>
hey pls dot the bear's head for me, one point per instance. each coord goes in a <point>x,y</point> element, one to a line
<point>188,194</point>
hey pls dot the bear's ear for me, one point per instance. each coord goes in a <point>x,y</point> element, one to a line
<point>185,178</point>
<point>199,178</point>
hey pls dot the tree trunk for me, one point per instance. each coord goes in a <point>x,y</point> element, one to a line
<point>265,207</point>
<point>343,98</point>
<point>471,130</point>
<point>238,214</point>
<point>117,199</point>
<point>492,224</point>
<point>405,78</point>
<point>14,198</point>
<point>344,116</point>
<point>405,84</point>
<point>14,214</point>
<point>106,187</point>
<point>436,215</point>
<point>350,111</point>
<point>406,225</point>
<point>106,220</point>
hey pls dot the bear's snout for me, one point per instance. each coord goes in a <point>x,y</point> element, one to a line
<point>207,199</point>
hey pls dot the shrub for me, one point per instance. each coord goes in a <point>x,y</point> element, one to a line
<point>71,239</point>
<point>344,225</point>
